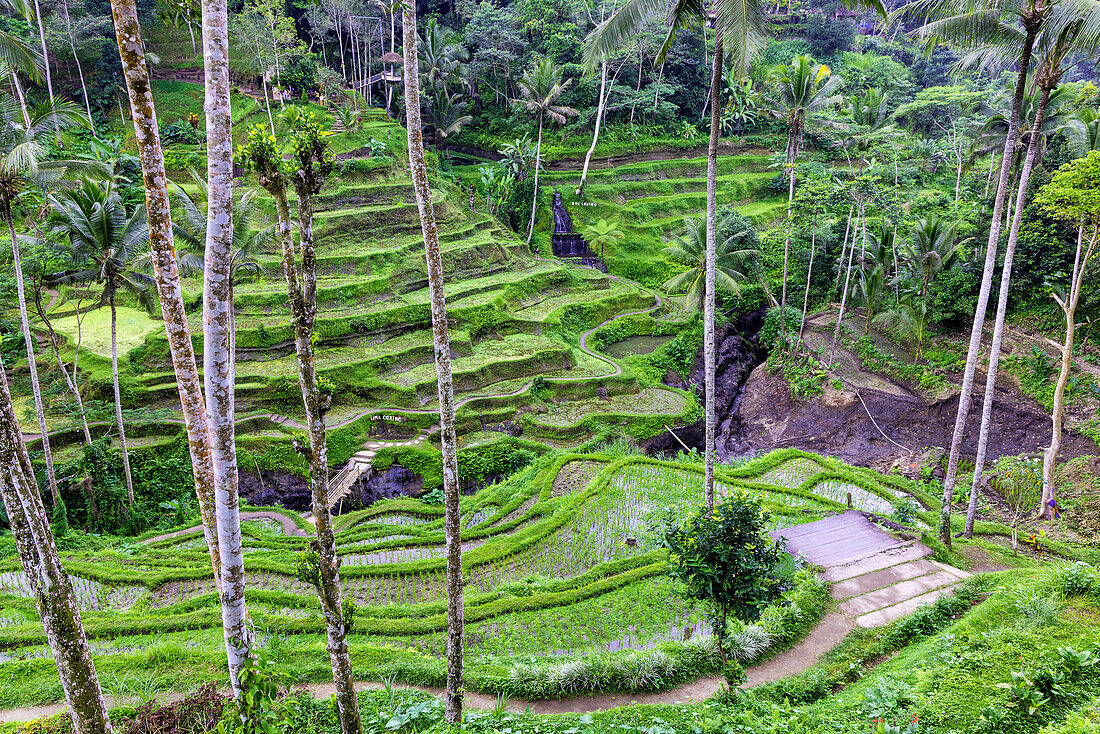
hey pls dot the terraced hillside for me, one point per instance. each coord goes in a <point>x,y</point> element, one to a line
<point>515,318</point>
<point>557,559</point>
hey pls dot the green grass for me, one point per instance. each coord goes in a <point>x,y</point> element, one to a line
<point>133,326</point>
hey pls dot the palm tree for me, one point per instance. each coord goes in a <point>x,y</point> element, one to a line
<point>50,586</point>
<point>1086,131</point>
<point>792,93</point>
<point>23,164</point>
<point>801,89</point>
<point>220,520</point>
<point>108,243</point>
<point>744,27</point>
<point>441,58</point>
<point>971,24</point>
<point>908,317</point>
<point>541,87</point>
<point>452,525</point>
<point>447,114</point>
<point>602,233</point>
<point>733,265</point>
<point>1056,48</point>
<point>246,243</point>
<point>931,249</point>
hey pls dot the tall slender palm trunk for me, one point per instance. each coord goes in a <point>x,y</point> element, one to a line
<point>1069,308</point>
<point>809,275</point>
<point>600,105</point>
<point>28,337</point>
<point>967,389</point>
<point>535,196</point>
<point>166,272</point>
<point>118,402</point>
<point>219,359</point>
<point>847,282</point>
<point>79,68</point>
<point>1002,307</point>
<point>792,156</point>
<point>46,65</point>
<point>709,357</point>
<point>50,586</point>
<point>442,345</point>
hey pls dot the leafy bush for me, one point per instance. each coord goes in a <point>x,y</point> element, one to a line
<point>1076,578</point>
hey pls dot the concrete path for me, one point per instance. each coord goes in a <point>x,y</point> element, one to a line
<point>289,526</point>
<point>876,578</point>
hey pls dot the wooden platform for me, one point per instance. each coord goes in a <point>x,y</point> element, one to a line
<point>876,577</point>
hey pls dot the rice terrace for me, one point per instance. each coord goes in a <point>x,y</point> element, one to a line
<point>550,367</point>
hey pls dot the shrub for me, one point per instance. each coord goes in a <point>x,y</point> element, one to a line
<point>196,713</point>
<point>1076,578</point>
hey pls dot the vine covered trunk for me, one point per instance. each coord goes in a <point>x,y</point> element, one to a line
<point>709,357</point>
<point>442,347</point>
<point>50,586</point>
<point>166,267</point>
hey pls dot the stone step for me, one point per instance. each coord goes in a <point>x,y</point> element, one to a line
<point>894,556</point>
<point>896,594</point>
<point>887,615</point>
<point>879,579</point>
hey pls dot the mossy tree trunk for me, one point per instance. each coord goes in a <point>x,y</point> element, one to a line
<point>710,274</point>
<point>50,585</point>
<point>166,272</point>
<point>442,346</point>
<point>219,360</point>
<point>974,348</point>
<point>32,365</point>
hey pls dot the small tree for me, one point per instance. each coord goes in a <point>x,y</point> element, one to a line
<point>724,558</point>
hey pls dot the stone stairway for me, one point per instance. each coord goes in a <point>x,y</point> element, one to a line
<point>361,463</point>
<point>876,578</point>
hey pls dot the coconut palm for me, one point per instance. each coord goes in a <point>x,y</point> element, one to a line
<point>107,243</point>
<point>447,115</point>
<point>24,164</point>
<point>452,526</point>
<point>247,243</point>
<point>931,249</point>
<point>1056,44</point>
<point>602,233</point>
<point>909,318</point>
<point>792,93</point>
<point>974,25</point>
<point>442,57</point>
<point>736,255</point>
<point>741,30</point>
<point>540,88</point>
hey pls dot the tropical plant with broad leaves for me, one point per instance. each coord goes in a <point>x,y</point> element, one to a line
<point>735,262</point>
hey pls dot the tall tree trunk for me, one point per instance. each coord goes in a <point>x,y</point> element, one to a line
<point>1069,308</point>
<point>118,401</point>
<point>46,66</point>
<point>267,104</point>
<point>809,275</point>
<point>709,360</point>
<point>599,118</point>
<point>967,389</point>
<point>166,268</point>
<point>843,247</point>
<point>442,346</point>
<point>792,156</point>
<point>1002,308</point>
<point>79,68</point>
<point>219,360</point>
<point>28,337</point>
<point>50,585</point>
<point>535,197</point>
<point>847,281</point>
<point>55,345</point>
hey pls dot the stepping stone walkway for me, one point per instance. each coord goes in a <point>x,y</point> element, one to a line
<point>876,578</point>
